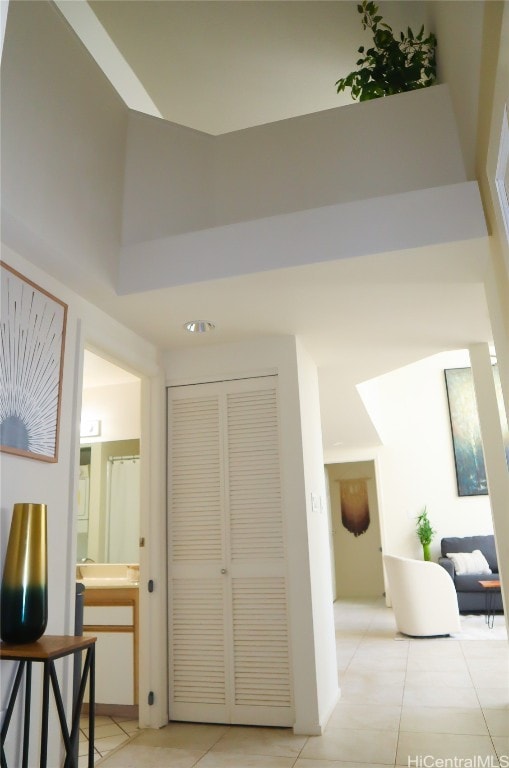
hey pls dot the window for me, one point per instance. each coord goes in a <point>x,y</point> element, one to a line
<point>502,172</point>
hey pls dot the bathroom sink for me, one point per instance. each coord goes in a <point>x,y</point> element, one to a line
<point>107,574</point>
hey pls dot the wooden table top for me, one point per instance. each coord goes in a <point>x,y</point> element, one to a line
<point>47,647</point>
<point>490,584</point>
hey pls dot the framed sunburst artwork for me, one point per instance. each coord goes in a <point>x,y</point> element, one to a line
<point>32,340</point>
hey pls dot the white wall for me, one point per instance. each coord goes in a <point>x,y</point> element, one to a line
<point>318,538</point>
<point>293,192</point>
<point>63,135</point>
<point>459,63</point>
<point>309,584</point>
<point>339,155</point>
<point>56,485</point>
<point>497,280</point>
<point>63,146</point>
<point>27,480</point>
<point>416,462</point>
<point>168,179</point>
<point>351,153</point>
<point>117,406</point>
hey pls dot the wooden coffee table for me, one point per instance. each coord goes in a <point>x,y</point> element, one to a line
<point>491,588</point>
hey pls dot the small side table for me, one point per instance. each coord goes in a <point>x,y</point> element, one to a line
<point>491,588</point>
<point>46,650</point>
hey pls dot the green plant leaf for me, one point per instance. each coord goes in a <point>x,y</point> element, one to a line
<point>391,66</point>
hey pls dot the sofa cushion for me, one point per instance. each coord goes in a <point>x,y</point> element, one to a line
<point>469,562</point>
<point>470,582</point>
<point>468,543</point>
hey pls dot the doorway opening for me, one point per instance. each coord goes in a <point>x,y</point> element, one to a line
<point>108,528</point>
<point>355,529</point>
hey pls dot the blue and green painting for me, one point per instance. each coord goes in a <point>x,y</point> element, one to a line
<point>466,431</point>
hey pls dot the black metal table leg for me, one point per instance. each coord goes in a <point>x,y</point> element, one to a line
<point>45,713</point>
<point>490,615</point>
<point>26,718</point>
<point>91,708</point>
<point>88,673</point>
<point>10,708</point>
<point>68,742</point>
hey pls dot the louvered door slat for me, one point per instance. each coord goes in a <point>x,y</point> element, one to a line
<point>254,484</point>
<point>260,631</point>
<point>229,653</point>
<point>261,668</point>
<point>194,480</point>
<point>196,550</point>
<point>198,672</point>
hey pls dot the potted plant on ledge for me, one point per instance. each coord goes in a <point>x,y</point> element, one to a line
<point>391,65</point>
<point>425,532</point>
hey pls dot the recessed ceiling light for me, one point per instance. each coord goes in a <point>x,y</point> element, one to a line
<point>199,326</point>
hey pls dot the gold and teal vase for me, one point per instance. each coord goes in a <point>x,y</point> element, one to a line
<point>24,591</point>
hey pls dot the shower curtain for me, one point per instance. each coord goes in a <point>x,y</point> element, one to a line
<point>123,509</point>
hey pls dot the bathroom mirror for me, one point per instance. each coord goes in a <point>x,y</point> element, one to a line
<point>109,502</point>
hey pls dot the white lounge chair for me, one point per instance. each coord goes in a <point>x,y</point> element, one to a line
<point>423,597</point>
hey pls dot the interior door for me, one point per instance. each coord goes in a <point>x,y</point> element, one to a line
<point>260,669</point>
<point>229,654</point>
<point>197,556</point>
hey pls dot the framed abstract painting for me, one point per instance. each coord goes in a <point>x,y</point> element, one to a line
<point>466,430</point>
<point>32,326</point>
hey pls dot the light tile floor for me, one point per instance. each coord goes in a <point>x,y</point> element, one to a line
<point>110,733</point>
<point>404,702</point>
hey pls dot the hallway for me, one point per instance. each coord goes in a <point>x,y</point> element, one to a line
<point>402,700</point>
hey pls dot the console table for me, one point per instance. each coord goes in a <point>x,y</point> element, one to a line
<point>46,650</point>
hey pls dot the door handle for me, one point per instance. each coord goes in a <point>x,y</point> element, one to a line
<point>223,570</point>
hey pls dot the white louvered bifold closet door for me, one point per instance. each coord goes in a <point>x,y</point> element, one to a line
<point>229,642</point>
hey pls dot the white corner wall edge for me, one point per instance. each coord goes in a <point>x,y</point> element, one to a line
<point>4,7</point>
<point>92,34</point>
<point>318,729</point>
<point>492,436</point>
<point>393,222</point>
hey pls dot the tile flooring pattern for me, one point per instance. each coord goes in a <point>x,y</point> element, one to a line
<point>110,733</point>
<point>419,703</point>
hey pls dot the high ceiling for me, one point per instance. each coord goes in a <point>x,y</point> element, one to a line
<point>222,66</point>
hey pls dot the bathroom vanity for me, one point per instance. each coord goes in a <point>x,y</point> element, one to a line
<point>111,614</point>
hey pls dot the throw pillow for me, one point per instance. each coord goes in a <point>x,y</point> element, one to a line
<point>469,562</point>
